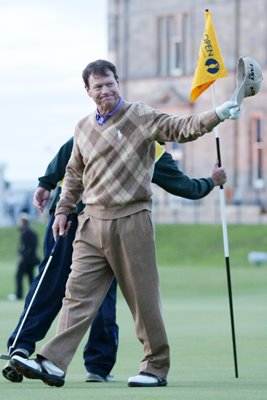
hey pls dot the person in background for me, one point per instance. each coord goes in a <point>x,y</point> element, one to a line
<point>27,254</point>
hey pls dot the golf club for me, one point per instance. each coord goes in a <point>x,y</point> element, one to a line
<point>4,357</point>
<point>7,357</point>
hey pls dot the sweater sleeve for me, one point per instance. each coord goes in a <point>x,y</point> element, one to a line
<point>173,128</point>
<point>168,176</point>
<point>56,168</point>
<point>72,187</point>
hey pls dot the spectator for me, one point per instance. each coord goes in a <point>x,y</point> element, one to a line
<point>27,251</point>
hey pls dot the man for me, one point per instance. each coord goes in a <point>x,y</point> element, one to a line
<point>28,259</point>
<point>101,348</point>
<point>111,167</point>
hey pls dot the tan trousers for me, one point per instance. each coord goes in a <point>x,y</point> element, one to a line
<point>123,247</point>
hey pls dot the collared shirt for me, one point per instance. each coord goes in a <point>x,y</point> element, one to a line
<point>102,119</point>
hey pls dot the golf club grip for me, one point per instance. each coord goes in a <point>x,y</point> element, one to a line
<point>55,245</point>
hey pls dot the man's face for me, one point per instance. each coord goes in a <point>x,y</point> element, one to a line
<point>104,90</point>
<point>22,223</point>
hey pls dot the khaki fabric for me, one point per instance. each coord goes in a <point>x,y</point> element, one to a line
<point>125,248</point>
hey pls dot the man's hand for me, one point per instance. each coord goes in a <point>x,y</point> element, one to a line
<point>218,175</point>
<point>228,110</point>
<point>60,226</point>
<point>40,198</point>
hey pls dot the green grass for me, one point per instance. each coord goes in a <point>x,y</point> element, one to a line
<point>196,312</point>
<point>202,245</point>
<point>9,239</point>
<point>198,326</point>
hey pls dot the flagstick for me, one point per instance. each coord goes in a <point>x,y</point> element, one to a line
<point>225,240</point>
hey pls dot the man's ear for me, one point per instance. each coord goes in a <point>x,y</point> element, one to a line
<point>88,90</point>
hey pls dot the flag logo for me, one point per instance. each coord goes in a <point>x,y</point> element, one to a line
<point>213,66</point>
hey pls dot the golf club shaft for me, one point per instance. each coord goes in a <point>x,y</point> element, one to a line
<point>34,295</point>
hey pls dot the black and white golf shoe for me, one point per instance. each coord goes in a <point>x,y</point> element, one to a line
<point>144,379</point>
<point>39,368</point>
<point>9,372</point>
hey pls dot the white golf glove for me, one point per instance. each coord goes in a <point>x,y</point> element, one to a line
<point>228,110</point>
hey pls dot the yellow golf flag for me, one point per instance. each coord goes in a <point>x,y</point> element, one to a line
<point>210,65</point>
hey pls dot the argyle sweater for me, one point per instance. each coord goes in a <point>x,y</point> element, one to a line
<point>111,166</point>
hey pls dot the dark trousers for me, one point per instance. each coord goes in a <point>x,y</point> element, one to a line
<point>25,269</point>
<point>101,349</point>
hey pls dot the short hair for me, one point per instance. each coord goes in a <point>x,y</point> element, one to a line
<point>98,67</point>
<point>24,218</point>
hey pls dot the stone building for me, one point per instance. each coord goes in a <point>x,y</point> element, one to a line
<point>155,46</point>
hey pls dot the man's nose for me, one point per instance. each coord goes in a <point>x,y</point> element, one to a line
<point>105,89</point>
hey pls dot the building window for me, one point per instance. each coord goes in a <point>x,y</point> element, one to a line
<point>256,153</point>
<point>176,56</point>
<point>170,45</point>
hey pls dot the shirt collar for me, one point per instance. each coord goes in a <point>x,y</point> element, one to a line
<point>102,119</point>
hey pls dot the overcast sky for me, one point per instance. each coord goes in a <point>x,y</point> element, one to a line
<point>44,46</point>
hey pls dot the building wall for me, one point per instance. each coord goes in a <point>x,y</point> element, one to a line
<point>240,27</point>
<point>141,34</point>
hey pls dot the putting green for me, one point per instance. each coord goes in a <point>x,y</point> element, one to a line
<point>196,312</point>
